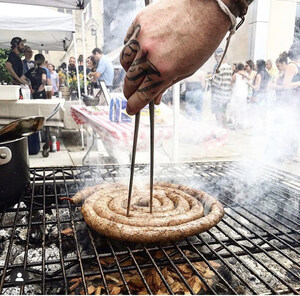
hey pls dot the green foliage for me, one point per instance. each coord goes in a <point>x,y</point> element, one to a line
<point>4,75</point>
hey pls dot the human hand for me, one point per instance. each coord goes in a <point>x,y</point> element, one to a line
<point>92,76</point>
<point>24,81</point>
<point>166,44</point>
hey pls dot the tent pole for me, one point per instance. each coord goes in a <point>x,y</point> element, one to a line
<point>76,63</point>
<point>84,51</point>
<point>78,84</point>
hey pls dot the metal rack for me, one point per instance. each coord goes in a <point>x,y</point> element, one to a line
<point>253,250</point>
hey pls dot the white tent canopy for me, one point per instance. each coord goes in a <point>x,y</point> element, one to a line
<point>42,27</point>
<point>68,4</point>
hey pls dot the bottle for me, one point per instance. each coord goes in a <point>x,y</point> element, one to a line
<point>54,145</point>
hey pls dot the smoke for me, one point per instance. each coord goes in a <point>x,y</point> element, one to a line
<point>118,16</point>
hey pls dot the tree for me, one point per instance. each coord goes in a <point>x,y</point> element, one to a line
<point>4,75</point>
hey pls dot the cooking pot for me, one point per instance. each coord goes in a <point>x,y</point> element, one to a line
<point>14,171</point>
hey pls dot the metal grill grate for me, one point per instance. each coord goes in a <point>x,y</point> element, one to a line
<point>254,250</point>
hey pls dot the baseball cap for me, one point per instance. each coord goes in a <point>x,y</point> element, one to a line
<point>219,51</point>
<point>16,41</point>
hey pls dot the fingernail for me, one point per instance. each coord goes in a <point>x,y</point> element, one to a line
<point>128,110</point>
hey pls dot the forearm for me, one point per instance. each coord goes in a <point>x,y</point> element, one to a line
<point>292,85</point>
<point>11,71</point>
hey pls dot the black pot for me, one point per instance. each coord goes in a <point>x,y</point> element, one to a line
<point>14,171</point>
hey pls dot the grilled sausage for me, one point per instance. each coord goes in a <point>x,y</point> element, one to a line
<point>177,212</point>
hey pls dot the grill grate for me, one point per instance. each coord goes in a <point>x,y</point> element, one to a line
<point>253,250</point>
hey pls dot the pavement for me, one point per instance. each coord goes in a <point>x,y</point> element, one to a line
<point>247,145</point>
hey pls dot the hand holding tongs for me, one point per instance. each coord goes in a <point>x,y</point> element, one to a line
<point>136,130</point>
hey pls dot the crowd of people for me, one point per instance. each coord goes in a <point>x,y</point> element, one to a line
<point>39,73</point>
<point>243,94</point>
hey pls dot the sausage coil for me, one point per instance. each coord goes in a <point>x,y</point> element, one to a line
<point>177,212</point>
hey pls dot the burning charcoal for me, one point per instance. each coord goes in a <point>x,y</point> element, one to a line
<point>52,234</point>
<point>24,220</point>
<point>35,236</point>
<point>11,291</point>
<point>21,233</point>
<point>3,250</point>
<point>52,252</point>
<point>8,219</point>
<point>21,205</point>
<point>32,289</point>
<point>5,234</point>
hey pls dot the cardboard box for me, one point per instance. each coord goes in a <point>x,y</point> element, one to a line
<point>9,92</point>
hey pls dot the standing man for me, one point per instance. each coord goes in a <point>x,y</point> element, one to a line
<point>221,89</point>
<point>14,63</point>
<point>105,69</point>
<point>271,70</point>
<point>28,63</point>
<point>72,67</point>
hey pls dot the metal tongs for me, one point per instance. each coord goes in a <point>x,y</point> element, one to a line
<point>136,131</point>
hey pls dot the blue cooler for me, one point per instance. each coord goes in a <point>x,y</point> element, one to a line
<point>117,110</point>
<point>34,143</point>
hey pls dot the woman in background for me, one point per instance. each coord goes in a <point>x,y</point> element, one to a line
<point>38,77</point>
<point>260,83</point>
<point>91,67</point>
<point>249,68</point>
<point>54,79</point>
<point>237,107</point>
<point>281,64</point>
<point>291,101</point>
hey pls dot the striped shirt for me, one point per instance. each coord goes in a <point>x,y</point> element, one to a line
<point>221,84</point>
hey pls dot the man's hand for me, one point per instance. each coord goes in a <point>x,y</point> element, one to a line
<point>23,80</point>
<point>167,42</point>
<point>94,76</point>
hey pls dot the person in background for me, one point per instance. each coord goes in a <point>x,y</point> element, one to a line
<point>249,68</point>
<point>105,69</point>
<point>14,64</point>
<point>72,67</point>
<point>221,90</point>
<point>45,65</point>
<point>271,70</point>
<point>91,64</point>
<point>91,68</point>
<point>237,107</point>
<point>38,77</point>
<point>119,75</point>
<point>194,91</point>
<point>291,101</point>
<point>54,79</point>
<point>63,67</point>
<point>277,85</point>
<point>80,63</point>
<point>155,56</point>
<point>260,83</point>
<point>234,69</point>
<point>28,63</point>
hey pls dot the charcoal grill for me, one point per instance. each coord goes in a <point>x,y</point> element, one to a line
<point>253,250</point>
